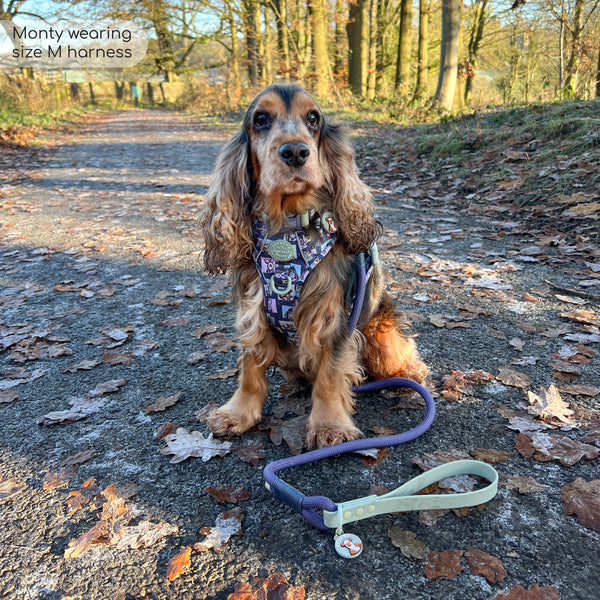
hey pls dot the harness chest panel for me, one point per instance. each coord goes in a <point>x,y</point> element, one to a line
<point>284,260</point>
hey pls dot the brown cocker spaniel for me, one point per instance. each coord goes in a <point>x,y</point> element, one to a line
<point>286,215</point>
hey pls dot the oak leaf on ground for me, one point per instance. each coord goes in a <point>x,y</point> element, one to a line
<point>521,483</point>
<point>545,447</point>
<point>443,564</point>
<point>162,403</point>
<point>274,587</point>
<point>582,499</point>
<point>227,524</point>
<point>185,444</point>
<point>225,494</point>
<point>533,593</point>
<point>407,542</point>
<point>513,378</point>
<point>482,563</point>
<point>548,406</point>
<point>179,563</point>
<point>56,479</point>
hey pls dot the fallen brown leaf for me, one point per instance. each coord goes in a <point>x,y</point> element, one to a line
<point>513,378</point>
<point>545,447</point>
<point>274,587</point>
<point>226,374</point>
<point>490,455</point>
<point>482,563</point>
<point>443,564</point>
<point>179,563</point>
<point>250,451</point>
<point>582,499</point>
<point>533,593</point>
<point>175,322</point>
<point>78,458</point>
<point>162,403</point>
<point>521,483</point>
<point>7,396</point>
<point>407,542</point>
<point>145,534</point>
<point>53,480</point>
<point>548,406</point>
<point>88,491</point>
<point>227,524</point>
<point>228,494</point>
<point>219,342</point>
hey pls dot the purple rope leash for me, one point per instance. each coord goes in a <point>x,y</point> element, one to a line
<point>306,505</point>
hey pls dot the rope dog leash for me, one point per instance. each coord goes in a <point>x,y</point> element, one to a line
<point>401,499</point>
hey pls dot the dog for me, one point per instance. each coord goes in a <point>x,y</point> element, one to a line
<point>286,215</point>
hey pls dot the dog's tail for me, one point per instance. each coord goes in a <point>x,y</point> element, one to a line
<point>388,352</point>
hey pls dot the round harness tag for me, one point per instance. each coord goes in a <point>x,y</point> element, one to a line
<point>348,545</point>
<point>282,250</point>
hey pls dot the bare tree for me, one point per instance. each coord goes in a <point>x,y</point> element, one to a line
<point>357,47</point>
<point>480,9</point>
<point>321,57</point>
<point>423,50</point>
<point>403,62</point>
<point>444,95</point>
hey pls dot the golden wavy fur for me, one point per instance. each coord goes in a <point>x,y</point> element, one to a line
<point>255,178</point>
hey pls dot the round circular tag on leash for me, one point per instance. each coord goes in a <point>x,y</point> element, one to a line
<point>348,545</point>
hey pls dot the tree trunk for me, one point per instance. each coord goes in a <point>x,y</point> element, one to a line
<point>561,49</point>
<point>444,95</point>
<point>575,50</point>
<point>92,95</point>
<point>251,42</point>
<point>321,58</point>
<point>303,45</point>
<point>235,50</point>
<point>423,55</point>
<point>282,38</point>
<point>356,60</point>
<point>340,33</point>
<point>381,36</point>
<point>474,45</point>
<point>260,42</point>
<point>404,47</point>
<point>119,89</point>
<point>157,13</point>
<point>267,55</point>
<point>372,62</point>
<point>598,77</point>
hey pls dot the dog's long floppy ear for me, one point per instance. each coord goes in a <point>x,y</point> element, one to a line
<point>352,200</point>
<point>224,220</point>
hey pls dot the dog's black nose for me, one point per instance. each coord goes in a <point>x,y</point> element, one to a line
<point>294,154</point>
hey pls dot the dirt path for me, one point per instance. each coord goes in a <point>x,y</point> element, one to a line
<point>102,305</point>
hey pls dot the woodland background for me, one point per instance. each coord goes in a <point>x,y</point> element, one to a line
<point>398,56</point>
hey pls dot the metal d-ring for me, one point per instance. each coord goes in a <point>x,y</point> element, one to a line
<point>287,290</point>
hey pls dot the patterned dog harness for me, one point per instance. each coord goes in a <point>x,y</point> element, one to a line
<point>285,259</point>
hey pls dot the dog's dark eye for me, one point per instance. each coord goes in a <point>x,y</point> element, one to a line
<point>262,121</point>
<point>312,119</point>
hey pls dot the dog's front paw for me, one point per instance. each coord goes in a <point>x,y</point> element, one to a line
<point>329,435</point>
<point>230,420</point>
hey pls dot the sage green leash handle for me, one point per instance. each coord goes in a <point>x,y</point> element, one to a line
<point>403,499</point>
